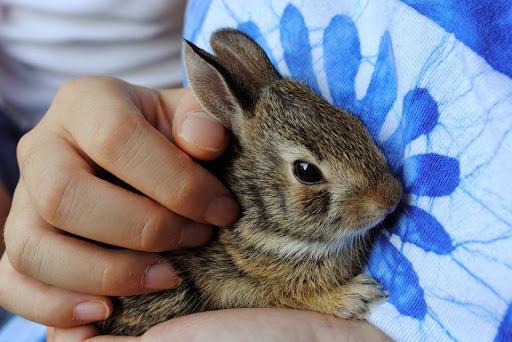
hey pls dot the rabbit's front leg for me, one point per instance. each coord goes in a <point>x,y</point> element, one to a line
<point>349,301</point>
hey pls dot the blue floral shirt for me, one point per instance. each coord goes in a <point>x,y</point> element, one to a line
<point>432,80</point>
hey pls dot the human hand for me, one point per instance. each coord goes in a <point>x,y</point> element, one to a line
<point>55,274</point>
<point>240,325</point>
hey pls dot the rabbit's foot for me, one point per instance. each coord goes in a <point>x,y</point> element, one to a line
<point>348,301</point>
<point>355,297</point>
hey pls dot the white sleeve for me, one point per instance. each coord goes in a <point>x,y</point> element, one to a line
<point>44,43</point>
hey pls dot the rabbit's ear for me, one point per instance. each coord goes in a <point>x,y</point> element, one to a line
<point>213,87</point>
<point>244,60</point>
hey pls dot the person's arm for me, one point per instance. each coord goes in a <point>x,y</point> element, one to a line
<point>5,204</point>
<point>241,325</point>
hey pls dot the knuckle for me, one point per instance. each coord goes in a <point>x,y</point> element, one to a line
<point>23,144</point>
<point>112,138</point>
<point>116,277</point>
<point>150,238</point>
<point>10,232</point>
<point>73,85</point>
<point>23,149</point>
<point>70,87</point>
<point>85,86</point>
<point>22,252</point>
<point>184,187</point>
<point>108,279</point>
<point>52,194</point>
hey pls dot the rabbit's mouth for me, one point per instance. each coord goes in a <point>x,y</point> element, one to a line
<point>379,215</point>
<point>379,219</point>
<point>374,222</point>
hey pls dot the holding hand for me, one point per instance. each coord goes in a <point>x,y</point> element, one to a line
<point>240,325</point>
<point>52,271</point>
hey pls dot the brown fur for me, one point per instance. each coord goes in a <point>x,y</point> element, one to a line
<point>294,245</point>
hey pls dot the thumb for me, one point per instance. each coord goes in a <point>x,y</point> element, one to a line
<point>194,131</point>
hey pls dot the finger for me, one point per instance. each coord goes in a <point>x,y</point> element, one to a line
<point>64,261</point>
<point>69,196</point>
<point>77,334</point>
<point>120,140</point>
<point>198,134</point>
<point>46,304</point>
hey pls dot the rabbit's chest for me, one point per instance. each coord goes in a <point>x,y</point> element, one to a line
<point>277,278</point>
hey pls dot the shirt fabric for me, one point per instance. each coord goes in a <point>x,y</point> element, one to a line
<point>432,80</point>
<point>45,43</point>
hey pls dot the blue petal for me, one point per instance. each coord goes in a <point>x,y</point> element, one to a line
<point>505,329</point>
<point>394,148</point>
<point>342,56</point>
<point>422,229</point>
<point>431,175</point>
<point>381,92</point>
<point>251,29</point>
<point>194,18</point>
<point>420,115</point>
<point>396,274</point>
<point>296,46</point>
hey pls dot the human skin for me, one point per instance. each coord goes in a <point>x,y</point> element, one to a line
<point>148,139</point>
<point>5,204</point>
<point>240,325</point>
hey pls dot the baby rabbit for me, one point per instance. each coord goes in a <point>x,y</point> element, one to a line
<point>310,183</point>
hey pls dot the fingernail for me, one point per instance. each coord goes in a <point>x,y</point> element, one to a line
<point>222,211</point>
<point>160,276</point>
<point>91,311</point>
<point>203,131</point>
<point>194,234</point>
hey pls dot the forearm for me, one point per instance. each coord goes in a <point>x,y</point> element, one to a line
<point>5,204</point>
<point>263,324</point>
<point>350,330</point>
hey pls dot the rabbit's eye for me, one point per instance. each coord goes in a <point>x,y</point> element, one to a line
<point>307,173</point>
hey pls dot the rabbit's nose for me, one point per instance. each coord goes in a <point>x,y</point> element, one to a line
<point>384,198</point>
<point>379,209</point>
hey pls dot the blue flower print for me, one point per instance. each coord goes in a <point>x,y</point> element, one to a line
<point>505,329</point>
<point>328,55</point>
<point>429,174</point>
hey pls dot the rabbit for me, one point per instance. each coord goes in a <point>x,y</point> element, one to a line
<point>310,182</point>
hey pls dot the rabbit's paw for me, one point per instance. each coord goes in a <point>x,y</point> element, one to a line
<point>356,296</point>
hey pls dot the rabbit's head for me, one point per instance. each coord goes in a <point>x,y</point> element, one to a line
<point>304,170</point>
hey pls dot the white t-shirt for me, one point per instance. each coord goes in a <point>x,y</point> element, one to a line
<point>43,43</point>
